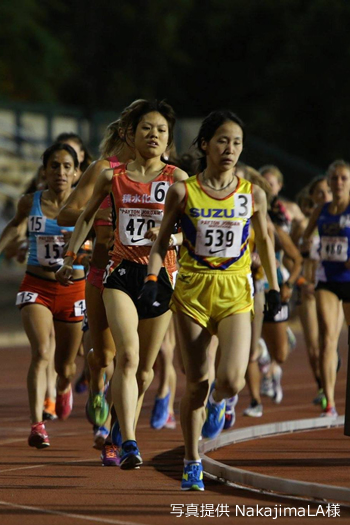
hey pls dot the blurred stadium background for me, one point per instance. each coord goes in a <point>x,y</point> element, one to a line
<point>72,66</point>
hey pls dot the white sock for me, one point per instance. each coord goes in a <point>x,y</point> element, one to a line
<point>188,461</point>
<point>212,400</point>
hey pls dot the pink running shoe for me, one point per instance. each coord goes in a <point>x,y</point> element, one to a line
<point>64,404</point>
<point>38,437</point>
<point>110,456</point>
<point>170,422</point>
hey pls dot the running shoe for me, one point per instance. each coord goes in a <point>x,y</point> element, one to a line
<point>215,419</point>
<point>292,340</point>
<point>110,456</point>
<point>100,437</point>
<point>264,359</point>
<point>320,399</point>
<point>49,412</point>
<point>130,457</point>
<point>160,412</point>
<point>266,387</point>
<point>38,437</point>
<point>230,412</point>
<point>64,404</point>
<point>170,422</point>
<point>97,408</point>
<point>329,412</point>
<point>116,435</point>
<point>277,387</point>
<point>192,477</point>
<point>255,409</point>
<point>82,384</point>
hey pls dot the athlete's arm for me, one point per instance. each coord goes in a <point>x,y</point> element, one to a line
<point>84,224</point>
<point>16,225</point>
<point>173,206</point>
<point>306,238</point>
<point>176,238</point>
<point>80,196</point>
<point>262,238</point>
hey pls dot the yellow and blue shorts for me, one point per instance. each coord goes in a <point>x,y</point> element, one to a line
<point>210,296</point>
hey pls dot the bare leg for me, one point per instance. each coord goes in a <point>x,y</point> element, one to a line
<point>68,337</point>
<point>37,323</point>
<point>101,338</point>
<point>123,319</point>
<point>328,309</point>
<point>194,341</point>
<point>151,334</point>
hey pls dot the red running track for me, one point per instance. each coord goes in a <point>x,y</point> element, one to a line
<point>66,484</point>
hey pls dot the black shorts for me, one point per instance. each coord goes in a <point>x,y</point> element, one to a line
<point>341,290</point>
<point>281,317</point>
<point>129,278</point>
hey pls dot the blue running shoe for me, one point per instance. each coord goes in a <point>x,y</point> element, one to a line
<point>230,412</point>
<point>192,477</point>
<point>130,457</point>
<point>160,412</point>
<point>116,435</point>
<point>215,420</point>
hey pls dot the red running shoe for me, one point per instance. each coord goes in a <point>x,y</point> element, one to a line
<point>64,404</point>
<point>38,436</point>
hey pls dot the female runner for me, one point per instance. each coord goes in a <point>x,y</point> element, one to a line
<point>41,299</point>
<point>333,272</point>
<point>138,191</point>
<point>214,291</point>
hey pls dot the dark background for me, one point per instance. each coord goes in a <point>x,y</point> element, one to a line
<point>282,65</point>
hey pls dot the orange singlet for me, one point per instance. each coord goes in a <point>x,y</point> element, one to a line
<point>138,207</point>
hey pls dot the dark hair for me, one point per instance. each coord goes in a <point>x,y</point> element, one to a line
<point>114,136</point>
<point>143,107</point>
<point>60,146</point>
<point>316,180</point>
<point>210,124</point>
<point>63,137</point>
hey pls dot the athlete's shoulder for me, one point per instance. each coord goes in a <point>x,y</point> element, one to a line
<point>118,170</point>
<point>173,171</point>
<point>25,202</point>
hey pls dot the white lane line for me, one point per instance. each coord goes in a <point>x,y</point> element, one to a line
<point>49,463</point>
<point>68,515</point>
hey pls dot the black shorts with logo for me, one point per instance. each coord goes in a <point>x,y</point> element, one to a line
<point>341,290</point>
<point>281,317</point>
<point>129,278</point>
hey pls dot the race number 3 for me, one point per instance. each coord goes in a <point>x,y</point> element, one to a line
<point>243,205</point>
<point>159,191</point>
<point>36,223</point>
<point>25,298</point>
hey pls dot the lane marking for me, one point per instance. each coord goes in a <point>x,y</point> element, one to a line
<point>49,463</point>
<point>68,514</point>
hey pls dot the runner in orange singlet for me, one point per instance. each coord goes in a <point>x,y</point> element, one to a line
<point>138,191</point>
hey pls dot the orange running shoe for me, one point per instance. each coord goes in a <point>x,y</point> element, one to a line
<point>49,412</point>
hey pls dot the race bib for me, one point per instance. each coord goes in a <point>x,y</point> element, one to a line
<point>25,298</point>
<point>50,249</point>
<point>159,191</point>
<point>219,238</point>
<point>334,249</point>
<point>243,205</point>
<point>79,308</point>
<point>134,222</point>
<point>36,223</point>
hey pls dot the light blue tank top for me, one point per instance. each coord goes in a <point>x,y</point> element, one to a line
<point>46,240</point>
